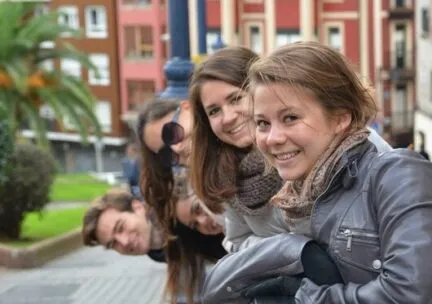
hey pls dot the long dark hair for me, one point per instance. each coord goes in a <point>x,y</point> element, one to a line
<point>213,163</point>
<point>191,249</point>
<point>156,182</point>
<point>186,249</point>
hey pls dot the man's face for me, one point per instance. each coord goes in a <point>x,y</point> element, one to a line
<point>127,232</point>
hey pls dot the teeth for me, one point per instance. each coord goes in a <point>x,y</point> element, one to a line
<point>285,156</point>
<point>236,129</point>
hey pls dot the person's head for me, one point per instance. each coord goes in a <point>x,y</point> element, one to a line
<point>221,120</point>
<point>192,212</point>
<point>132,150</point>
<point>163,130</point>
<point>305,96</point>
<point>118,221</point>
<point>165,126</point>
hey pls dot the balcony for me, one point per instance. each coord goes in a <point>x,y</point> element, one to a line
<point>400,67</point>
<point>400,125</point>
<point>401,11</point>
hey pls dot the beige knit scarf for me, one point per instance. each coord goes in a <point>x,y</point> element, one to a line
<point>296,198</point>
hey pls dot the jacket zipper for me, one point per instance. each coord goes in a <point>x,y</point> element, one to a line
<point>349,234</point>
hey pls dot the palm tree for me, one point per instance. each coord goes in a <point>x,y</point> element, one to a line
<point>25,84</point>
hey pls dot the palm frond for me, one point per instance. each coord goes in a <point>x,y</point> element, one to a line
<point>36,122</point>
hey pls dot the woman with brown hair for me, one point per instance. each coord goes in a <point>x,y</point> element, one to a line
<point>163,131</point>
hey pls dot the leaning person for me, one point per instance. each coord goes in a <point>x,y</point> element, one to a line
<point>372,210</point>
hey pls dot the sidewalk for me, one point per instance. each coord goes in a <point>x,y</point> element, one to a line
<point>87,276</point>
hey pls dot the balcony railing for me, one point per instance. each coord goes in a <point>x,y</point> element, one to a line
<point>400,66</point>
<point>401,11</point>
<point>401,121</point>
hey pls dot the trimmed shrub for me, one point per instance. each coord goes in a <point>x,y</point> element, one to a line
<point>6,144</point>
<point>27,187</point>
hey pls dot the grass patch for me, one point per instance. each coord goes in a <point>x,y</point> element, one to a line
<point>52,223</point>
<point>77,187</point>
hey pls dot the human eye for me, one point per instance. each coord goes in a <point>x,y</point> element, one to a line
<point>197,208</point>
<point>289,118</point>
<point>261,124</point>
<point>213,111</point>
<point>237,99</point>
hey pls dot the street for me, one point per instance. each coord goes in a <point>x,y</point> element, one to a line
<point>88,275</point>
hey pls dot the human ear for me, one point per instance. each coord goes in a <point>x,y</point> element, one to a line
<point>343,121</point>
<point>138,207</point>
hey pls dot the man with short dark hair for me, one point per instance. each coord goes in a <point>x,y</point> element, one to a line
<point>120,222</point>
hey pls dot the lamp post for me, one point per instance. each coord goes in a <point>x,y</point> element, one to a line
<point>179,68</point>
<point>202,27</point>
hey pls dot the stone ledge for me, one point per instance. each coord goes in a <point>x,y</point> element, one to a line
<point>41,252</point>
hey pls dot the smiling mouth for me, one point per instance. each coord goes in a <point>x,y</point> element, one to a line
<point>237,129</point>
<point>286,156</point>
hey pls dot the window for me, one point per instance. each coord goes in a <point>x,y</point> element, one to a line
<point>255,39</point>
<point>69,17</point>
<point>139,91</point>
<point>400,40</point>
<point>400,3</point>
<point>334,37</point>
<point>138,42</point>
<point>47,64</point>
<point>71,67</point>
<point>211,38</point>
<point>103,113</point>
<point>430,87</point>
<point>286,37</point>
<point>101,61</point>
<point>137,2</point>
<point>401,116</point>
<point>425,22</point>
<point>96,22</point>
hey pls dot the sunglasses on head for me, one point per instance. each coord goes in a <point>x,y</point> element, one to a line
<point>172,133</point>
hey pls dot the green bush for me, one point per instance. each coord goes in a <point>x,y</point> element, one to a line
<point>27,187</point>
<point>6,144</point>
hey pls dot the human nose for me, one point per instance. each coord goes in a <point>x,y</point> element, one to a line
<point>122,239</point>
<point>276,136</point>
<point>229,116</point>
<point>178,147</point>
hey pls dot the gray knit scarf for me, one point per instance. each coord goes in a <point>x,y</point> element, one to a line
<point>255,187</point>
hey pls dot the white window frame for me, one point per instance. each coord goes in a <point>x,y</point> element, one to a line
<point>98,30</point>
<point>284,37</point>
<point>71,67</point>
<point>73,15</point>
<point>211,38</point>
<point>101,61</point>
<point>47,64</point>
<point>249,26</point>
<point>104,115</point>
<point>341,27</point>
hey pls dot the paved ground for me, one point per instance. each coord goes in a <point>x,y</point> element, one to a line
<point>87,276</point>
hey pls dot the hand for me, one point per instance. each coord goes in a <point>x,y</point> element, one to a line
<point>279,286</point>
<point>318,265</point>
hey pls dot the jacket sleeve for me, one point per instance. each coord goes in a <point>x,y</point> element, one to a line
<point>400,192</point>
<point>276,255</point>
<point>238,234</point>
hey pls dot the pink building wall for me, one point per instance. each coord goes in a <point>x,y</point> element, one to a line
<point>148,70</point>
